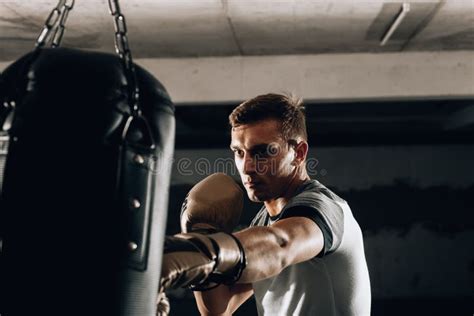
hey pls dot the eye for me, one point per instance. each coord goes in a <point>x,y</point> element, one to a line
<point>238,153</point>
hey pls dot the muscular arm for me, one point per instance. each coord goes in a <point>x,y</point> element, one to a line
<point>271,249</point>
<point>268,250</point>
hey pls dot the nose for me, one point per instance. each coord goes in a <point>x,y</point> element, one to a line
<point>249,165</point>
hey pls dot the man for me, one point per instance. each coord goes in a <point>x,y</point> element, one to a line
<point>304,249</point>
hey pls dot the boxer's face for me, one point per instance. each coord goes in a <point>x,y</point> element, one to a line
<point>263,159</point>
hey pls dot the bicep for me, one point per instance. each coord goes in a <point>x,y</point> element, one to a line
<point>303,238</point>
<point>270,249</point>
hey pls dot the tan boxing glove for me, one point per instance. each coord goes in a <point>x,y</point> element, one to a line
<point>201,261</point>
<point>215,202</point>
<point>206,254</point>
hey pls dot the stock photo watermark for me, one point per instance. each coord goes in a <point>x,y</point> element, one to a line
<point>266,163</point>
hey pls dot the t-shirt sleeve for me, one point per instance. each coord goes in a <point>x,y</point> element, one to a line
<point>325,212</point>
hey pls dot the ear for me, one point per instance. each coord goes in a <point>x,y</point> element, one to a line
<point>301,151</point>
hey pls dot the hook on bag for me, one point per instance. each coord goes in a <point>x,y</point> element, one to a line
<point>137,132</point>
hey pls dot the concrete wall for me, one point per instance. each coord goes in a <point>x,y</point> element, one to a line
<point>317,77</point>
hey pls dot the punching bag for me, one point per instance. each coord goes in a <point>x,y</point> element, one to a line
<point>85,185</point>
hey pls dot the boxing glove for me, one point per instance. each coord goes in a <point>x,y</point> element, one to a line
<point>201,261</point>
<point>215,202</point>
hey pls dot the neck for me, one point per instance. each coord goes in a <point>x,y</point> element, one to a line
<point>275,206</point>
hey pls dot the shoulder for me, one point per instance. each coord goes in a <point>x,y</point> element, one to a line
<point>323,206</point>
<point>316,196</point>
<point>314,190</point>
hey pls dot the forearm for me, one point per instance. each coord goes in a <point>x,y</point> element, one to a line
<point>266,253</point>
<point>223,300</point>
<point>213,302</point>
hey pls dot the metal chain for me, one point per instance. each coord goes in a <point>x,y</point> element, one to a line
<point>49,24</point>
<point>123,50</point>
<point>56,22</point>
<point>59,13</point>
<point>60,28</point>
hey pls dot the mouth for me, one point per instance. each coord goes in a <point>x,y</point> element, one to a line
<point>252,184</point>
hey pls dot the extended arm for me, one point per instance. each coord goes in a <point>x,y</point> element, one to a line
<point>269,250</point>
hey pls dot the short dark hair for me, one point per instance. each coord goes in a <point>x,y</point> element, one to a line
<point>286,108</point>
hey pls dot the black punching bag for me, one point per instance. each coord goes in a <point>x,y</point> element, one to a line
<point>85,186</point>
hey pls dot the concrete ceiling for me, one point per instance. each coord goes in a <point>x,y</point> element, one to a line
<point>188,28</point>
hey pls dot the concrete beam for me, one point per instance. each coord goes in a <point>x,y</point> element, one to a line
<point>331,77</point>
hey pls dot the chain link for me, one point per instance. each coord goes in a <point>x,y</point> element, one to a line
<point>56,22</point>
<point>59,30</point>
<point>49,24</point>
<point>123,50</point>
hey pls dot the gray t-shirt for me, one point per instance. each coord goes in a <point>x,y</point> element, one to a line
<point>336,281</point>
